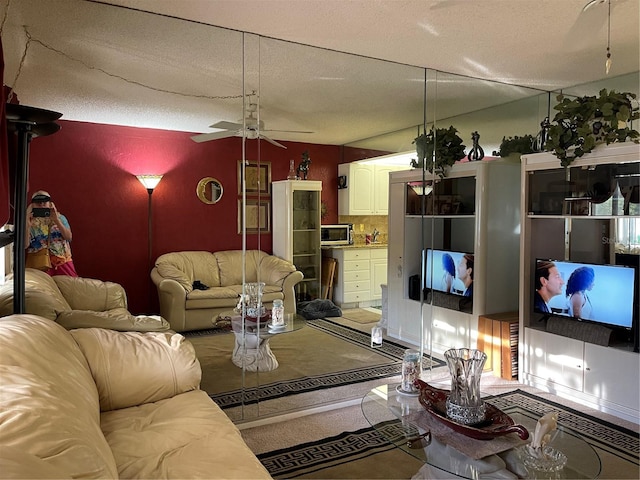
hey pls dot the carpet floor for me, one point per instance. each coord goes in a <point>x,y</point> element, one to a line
<point>324,355</point>
<point>360,452</point>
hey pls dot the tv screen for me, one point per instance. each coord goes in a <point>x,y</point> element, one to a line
<point>599,293</point>
<point>448,272</point>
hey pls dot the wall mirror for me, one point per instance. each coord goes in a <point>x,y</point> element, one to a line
<point>209,190</point>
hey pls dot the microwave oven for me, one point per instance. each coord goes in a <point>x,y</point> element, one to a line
<point>341,234</point>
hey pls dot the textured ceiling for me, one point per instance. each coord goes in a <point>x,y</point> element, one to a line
<point>174,69</point>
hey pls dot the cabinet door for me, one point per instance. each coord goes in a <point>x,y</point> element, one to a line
<point>357,198</point>
<point>378,272</point>
<point>555,359</point>
<point>612,375</point>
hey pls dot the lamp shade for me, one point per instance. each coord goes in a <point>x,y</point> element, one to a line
<point>149,181</point>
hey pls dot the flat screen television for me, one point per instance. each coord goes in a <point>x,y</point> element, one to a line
<point>446,270</point>
<point>604,294</point>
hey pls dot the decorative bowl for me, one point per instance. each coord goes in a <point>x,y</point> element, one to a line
<point>496,423</point>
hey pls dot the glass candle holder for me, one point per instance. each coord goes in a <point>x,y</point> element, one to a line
<point>411,369</point>
<point>376,337</point>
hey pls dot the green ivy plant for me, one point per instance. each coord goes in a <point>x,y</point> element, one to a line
<point>448,149</point>
<point>522,145</point>
<point>583,123</point>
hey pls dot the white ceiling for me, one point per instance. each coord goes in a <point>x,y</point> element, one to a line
<point>99,62</point>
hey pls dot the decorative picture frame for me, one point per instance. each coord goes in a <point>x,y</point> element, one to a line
<point>258,177</point>
<point>258,215</point>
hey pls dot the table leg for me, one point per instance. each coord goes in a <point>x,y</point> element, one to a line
<point>255,355</point>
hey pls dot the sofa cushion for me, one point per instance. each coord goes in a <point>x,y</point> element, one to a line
<point>42,296</point>
<point>159,365</point>
<point>230,265</point>
<point>48,400</point>
<point>186,436</point>
<point>187,267</point>
<point>91,294</point>
<point>117,319</point>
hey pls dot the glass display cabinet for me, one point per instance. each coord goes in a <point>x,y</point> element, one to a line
<point>296,231</point>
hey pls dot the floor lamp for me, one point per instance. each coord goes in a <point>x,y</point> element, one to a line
<point>150,182</point>
<point>28,123</point>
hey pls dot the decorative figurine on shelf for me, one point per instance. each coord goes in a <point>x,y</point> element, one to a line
<point>303,168</point>
<point>543,135</point>
<point>292,172</point>
<point>476,153</point>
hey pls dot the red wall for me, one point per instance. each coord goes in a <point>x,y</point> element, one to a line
<point>89,170</point>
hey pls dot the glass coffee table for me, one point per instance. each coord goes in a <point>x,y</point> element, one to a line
<point>391,414</point>
<point>252,351</point>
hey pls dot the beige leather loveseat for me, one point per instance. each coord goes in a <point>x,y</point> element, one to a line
<point>189,308</point>
<point>76,302</point>
<point>97,403</point>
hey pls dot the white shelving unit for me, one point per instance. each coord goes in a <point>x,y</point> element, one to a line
<point>603,377</point>
<point>485,224</point>
<point>296,231</point>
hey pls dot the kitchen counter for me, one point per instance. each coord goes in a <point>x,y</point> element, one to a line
<point>357,245</point>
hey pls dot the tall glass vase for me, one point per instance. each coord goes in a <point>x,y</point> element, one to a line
<point>254,306</point>
<point>464,404</point>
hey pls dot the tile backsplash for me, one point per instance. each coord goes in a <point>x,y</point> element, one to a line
<point>364,224</point>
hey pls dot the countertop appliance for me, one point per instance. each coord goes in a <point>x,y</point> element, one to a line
<point>341,234</point>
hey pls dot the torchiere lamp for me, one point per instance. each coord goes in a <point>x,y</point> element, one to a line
<point>150,182</point>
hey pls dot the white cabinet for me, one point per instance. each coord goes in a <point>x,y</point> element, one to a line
<point>367,191</point>
<point>554,359</point>
<point>296,231</point>
<point>359,274</point>
<point>602,377</point>
<point>378,272</point>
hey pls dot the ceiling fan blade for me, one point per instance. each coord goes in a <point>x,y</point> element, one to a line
<point>273,142</point>
<point>226,125</point>
<point>287,131</point>
<point>205,137</point>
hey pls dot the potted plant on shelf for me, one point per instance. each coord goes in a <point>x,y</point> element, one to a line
<point>515,146</point>
<point>583,123</point>
<point>448,148</point>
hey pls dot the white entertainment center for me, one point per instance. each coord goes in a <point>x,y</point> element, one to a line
<point>606,377</point>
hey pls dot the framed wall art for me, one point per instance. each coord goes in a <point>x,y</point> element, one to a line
<point>258,180</point>
<point>258,215</point>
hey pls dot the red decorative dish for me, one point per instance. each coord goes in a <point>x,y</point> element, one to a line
<point>496,423</point>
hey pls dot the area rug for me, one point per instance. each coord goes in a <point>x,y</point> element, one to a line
<point>322,355</point>
<point>365,453</point>
<point>360,315</point>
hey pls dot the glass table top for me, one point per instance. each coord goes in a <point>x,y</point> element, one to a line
<point>389,413</point>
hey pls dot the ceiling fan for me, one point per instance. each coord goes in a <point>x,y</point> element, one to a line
<point>252,129</point>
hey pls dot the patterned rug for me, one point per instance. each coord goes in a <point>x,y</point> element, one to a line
<point>392,351</point>
<point>340,456</point>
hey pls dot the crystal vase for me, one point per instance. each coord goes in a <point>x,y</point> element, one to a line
<point>464,404</point>
<point>253,305</point>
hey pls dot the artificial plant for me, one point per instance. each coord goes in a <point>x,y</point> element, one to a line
<point>582,123</point>
<point>522,145</point>
<point>448,148</point>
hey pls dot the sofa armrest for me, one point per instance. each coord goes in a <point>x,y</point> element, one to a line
<point>91,294</point>
<point>133,368</point>
<point>274,270</point>
<point>289,292</point>
<point>118,319</point>
<point>173,299</point>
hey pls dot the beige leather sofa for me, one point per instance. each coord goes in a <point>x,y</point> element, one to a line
<point>186,308</point>
<point>76,302</point>
<point>97,403</point>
